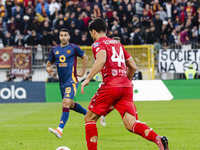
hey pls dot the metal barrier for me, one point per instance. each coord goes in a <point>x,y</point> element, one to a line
<point>143,56</point>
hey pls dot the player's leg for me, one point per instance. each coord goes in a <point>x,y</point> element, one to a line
<point>98,106</point>
<point>91,130</point>
<point>64,117</point>
<point>127,109</point>
<point>143,130</point>
<point>76,106</point>
<point>67,95</point>
<point>103,118</point>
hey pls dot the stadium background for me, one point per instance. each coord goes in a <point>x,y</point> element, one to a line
<point>148,28</point>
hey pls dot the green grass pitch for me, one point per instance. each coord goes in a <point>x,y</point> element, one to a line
<point>25,127</point>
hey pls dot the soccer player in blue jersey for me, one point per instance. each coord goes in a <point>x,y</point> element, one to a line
<point>64,56</point>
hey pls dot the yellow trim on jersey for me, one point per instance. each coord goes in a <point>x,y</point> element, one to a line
<point>74,85</point>
<point>73,77</point>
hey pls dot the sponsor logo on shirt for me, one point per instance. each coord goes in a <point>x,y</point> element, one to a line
<point>57,52</point>
<point>62,64</point>
<point>96,44</point>
<point>68,51</point>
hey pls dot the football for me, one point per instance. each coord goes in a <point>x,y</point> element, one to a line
<point>63,148</point>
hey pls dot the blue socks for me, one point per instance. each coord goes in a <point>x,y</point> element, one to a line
<point>64,117</point>
<point>65,114</point>
<point>78,108</point>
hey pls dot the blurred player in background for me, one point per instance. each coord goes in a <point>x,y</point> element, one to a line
<point>117,68</point>
<point>64,56</point>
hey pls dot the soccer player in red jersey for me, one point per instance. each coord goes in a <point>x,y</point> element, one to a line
<point>117,68</point>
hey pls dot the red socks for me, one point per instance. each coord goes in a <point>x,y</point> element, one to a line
<point>91,130</point>
<point>139,128</point>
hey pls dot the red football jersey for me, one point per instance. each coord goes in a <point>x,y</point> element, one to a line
<point>114,72</point>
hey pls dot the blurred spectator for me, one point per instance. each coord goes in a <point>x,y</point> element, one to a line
<point>46,27</point>
<point>195,4</point>
<point>55,37</point>
<point>162,14</point>
<point>137,40</point>
<point>139,8</point>
<point>173,37</point>
<point>29,6</point>
<point>184,36</point>
<point>156,6</point>
<point>96,11</point>
<point>123,17</point>
<point>92,80</point>
<point>20,41</point>
<point>26,25</point>
<point>169,9</point>
<point>194,35</point>
<point>8,40</point>
<point>86,19</point>
<point>52,78</point>
<point>9,5</point>
<point>2,10</point>
<point>32,40</point>
<point>84,40</point>
<point>130,12</point>
<point>189,8</point>
<point>27,77</point>
<point>54,7</point>
<point>10,78</point>
<point>84,3</point>
<point>79,23</point>
<point>41,6</point>
<point>145,21</point>
<point>158,22</point>
<point>36,26</point>
<point>46,39</point>
<point>148,11</point>
<point>18,15</point>
<point>76,37</point>
<point>137,75</point>
<point>182,14</point>
<point>190,73</point>
<point>116,26</point>
<point>11,26</point>
<point>33,2</point>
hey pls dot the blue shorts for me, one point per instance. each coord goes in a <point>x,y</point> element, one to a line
<point>69,91</point>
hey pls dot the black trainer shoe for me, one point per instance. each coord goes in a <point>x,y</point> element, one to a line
<point>163,143</point>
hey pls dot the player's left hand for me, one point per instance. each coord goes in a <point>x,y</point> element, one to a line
<point>80,73</point>
<point>86,82</point>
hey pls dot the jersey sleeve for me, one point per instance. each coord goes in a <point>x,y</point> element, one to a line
<point>51,56</point>
<point>79,52</point>
<point>126,54</point>
<point>97,47</point>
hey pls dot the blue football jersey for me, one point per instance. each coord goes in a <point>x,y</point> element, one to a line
<point>65,58</point>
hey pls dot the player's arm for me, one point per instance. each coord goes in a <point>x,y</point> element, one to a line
<point>98,65</point>
<point>49,67</point>
<point>84,63</point>
<point>131,68</point>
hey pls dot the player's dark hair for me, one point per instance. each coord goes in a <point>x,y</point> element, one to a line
<point>98,24</point>
<point>64,30</point>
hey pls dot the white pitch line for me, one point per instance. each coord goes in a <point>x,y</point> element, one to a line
<point>72,124</point>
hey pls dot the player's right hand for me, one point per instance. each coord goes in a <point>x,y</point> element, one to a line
<point>50,70</point>
<point>85,82</point>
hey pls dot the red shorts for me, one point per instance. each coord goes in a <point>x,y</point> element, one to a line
<point>120,97</point>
